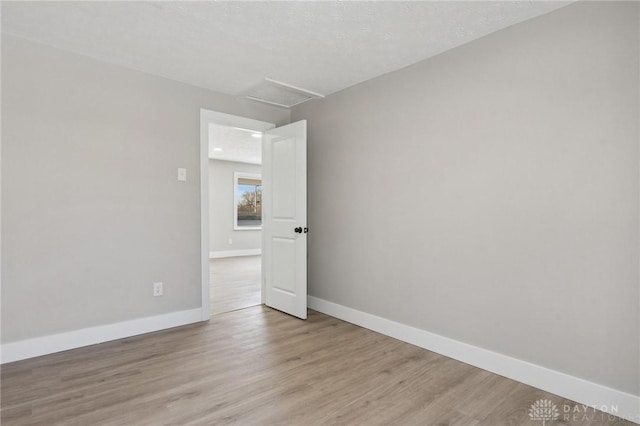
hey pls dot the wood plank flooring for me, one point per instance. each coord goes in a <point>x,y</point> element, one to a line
<point>235,283</point>
<point>258,366</point>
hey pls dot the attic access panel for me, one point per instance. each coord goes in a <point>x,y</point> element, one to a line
<point>280,94</point>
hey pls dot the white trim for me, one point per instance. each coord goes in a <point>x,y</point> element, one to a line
<point>295,88</point>
<point>234,253</point>
<point>45,345</point>
<point>556,382</point>
<point>253,98</point>
<point>205,297</point>
<point>235,121</point>
<point>213,117</point>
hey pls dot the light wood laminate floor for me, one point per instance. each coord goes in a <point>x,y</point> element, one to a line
<point>258,366</point>
<point>235,283</point>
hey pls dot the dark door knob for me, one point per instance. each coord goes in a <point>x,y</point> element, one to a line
<point>298,230</point>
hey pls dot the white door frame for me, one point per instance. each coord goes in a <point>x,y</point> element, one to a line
<point>213,117</point>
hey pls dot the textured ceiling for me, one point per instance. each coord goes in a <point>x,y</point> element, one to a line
<point>233,144</point>
<point>232,46</point>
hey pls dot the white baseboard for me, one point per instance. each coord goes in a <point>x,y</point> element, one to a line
<point>30,348</point>
<point>570,387</point>
<point>234,253</point>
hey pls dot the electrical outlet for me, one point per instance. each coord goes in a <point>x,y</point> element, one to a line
<point>230,241</point>
<point>182,174</point>
<point>157,289</point>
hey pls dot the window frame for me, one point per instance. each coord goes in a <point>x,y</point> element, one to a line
<point>236,177</point>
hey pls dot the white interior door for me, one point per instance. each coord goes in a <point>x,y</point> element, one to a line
<point>284,218</point>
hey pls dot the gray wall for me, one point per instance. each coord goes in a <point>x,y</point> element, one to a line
<point>221,183</point>
<point>92,212</point>
<point>490,194</point>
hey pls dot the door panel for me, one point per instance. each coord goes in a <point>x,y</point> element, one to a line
<point>284,171</point>
<point>284,179</point>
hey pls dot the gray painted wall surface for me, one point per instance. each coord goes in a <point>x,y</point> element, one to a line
<point>92,212</point>
<point>490,194</point>
<point>221,183</point>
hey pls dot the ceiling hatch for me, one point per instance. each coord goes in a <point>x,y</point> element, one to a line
<point>280,94</point>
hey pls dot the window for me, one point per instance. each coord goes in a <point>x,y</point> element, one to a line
<point>247,206</point>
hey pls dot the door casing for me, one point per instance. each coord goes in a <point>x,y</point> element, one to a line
<point>208,117</point>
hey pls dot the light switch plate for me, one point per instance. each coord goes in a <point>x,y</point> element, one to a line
<point>182,174</point>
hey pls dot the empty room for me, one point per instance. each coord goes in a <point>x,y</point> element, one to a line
<point>320,213</point>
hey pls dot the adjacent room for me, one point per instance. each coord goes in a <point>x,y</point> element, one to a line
<point>235,218</point>
<point>320,213</point>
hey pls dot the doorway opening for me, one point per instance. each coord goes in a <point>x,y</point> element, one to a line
<point>235,218</point>
<point>231,182</point>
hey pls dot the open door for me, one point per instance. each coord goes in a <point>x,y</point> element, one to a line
<point>284,218</point>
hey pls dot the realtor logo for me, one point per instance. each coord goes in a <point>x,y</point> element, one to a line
<point>544,410</point>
